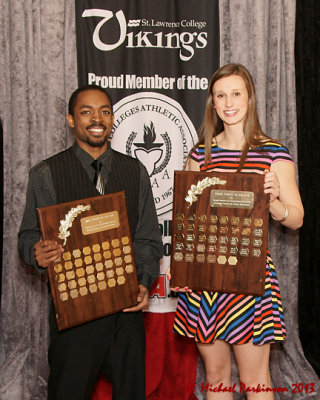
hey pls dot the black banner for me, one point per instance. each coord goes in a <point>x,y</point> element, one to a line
<point>174,45</point>
<point>155,58</point>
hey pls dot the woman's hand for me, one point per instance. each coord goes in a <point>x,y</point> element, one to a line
<point>176,289</point>
<point>285,201</point>
<point>271,184</point>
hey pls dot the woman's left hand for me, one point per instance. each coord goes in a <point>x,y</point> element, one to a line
<point>285,202</point>
<point>271,184</point>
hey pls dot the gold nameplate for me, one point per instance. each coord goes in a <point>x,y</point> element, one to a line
<point>100,223</point>
<point>231,199</point>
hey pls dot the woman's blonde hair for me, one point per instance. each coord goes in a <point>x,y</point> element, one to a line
<point>212,125</point>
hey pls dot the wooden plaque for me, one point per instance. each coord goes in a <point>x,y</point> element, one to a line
<point>96,274</point>
<point>220,232</point>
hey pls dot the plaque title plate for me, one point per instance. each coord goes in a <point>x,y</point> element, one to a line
<point>231,199</point>
<point>100,222</point>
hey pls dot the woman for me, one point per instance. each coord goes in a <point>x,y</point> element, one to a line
<point>231,140</point>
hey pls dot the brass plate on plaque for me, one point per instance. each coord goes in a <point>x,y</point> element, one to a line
<point>100,222</point>
<point>226,248</point>
<point>231,199</point>
<point>96,275</point>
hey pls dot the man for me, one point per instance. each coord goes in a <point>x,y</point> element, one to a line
<point>113,345</point>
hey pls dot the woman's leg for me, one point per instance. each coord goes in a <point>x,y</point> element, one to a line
<point>217,360</point>
<point>253,367</point>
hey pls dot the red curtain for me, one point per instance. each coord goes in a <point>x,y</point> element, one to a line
<point>171,363</point>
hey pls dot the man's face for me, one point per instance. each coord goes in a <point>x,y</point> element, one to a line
<point>92,120</point>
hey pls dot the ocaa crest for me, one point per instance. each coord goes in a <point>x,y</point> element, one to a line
<point>150,152</point>
<point>154,128</point>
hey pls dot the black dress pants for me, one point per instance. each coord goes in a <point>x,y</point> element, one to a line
<point>113,346</point>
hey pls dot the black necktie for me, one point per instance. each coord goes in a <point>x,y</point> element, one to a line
<point>98,178</point>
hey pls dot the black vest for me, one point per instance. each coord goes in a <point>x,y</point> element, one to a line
<point>71,181</point>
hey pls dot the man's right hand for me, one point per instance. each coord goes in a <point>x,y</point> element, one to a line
<point>46,252</point>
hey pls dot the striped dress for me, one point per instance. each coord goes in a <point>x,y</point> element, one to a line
<point>236,319</point>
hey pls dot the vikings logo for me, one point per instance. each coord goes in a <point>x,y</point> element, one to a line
<point>150,153</point>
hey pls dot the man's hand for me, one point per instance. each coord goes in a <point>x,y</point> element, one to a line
<point>46,252</point>
<point>143,300</point>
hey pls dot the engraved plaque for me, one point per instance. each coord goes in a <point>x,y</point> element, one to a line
<point>189,257</point>
<point>213,228</point>
<point>189,247</point>
<point>231,198</point>
<point>200,258</point>
<point>211,258</point>
<point>201,228</point>
<point>88,281</point>
<point>212,239</point>
<point>225,248</point>
<point>179,216</point>
<point>179,246</point>
<point>178,256</point>
<point>190,227</point>
<point>211,248</point>
<point>213,219</point>
<point>179,236</point>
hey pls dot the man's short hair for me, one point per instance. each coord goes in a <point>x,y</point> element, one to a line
<point>84,88</point>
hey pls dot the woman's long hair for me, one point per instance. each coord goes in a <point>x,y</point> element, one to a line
<point>212,125</point>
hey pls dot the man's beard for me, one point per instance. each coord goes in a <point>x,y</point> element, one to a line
<point>98,143</point>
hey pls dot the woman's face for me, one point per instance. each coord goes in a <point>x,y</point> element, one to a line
<point>230,99</point>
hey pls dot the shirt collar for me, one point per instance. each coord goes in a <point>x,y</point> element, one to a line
<point>86,159</point>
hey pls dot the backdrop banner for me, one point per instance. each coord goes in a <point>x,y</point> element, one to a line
<point>155,59</point>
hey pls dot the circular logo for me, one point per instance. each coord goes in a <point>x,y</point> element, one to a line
<point>155,129</point>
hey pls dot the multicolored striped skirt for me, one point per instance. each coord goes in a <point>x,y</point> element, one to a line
<point>236,319</point>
